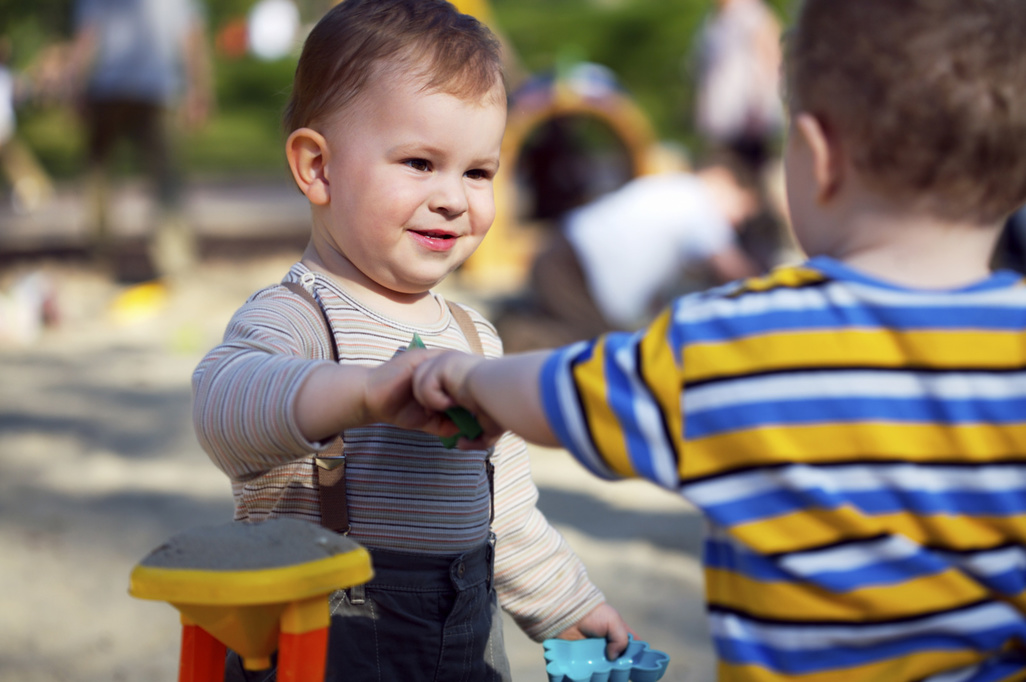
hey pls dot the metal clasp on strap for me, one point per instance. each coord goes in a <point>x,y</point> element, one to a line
<point>330,462</point>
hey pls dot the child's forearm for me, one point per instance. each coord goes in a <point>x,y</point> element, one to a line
<point>330,400</point>
<point>507,390</point>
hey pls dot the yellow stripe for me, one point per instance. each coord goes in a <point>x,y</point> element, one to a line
<point>590,377</point>
<point>806,528</point>
<point>904,669</point>
<point>803,602</point>
<point>957,532</point>
<point>816,527</point>
<point>865,441</point>
<point>854,348</point>
<point>661,374</point>
<point>789,277</point>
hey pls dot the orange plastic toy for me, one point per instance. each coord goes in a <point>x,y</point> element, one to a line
<point>255,587</point>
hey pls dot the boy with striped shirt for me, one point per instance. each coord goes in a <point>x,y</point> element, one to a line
<point>853,427</point>
<point>395,125</point>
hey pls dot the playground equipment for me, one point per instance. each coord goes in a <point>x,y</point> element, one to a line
<point>254,587</point>
<point>582,91</point>
<point>574,89</point>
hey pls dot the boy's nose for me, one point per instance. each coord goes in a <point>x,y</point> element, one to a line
<point>449,197</point>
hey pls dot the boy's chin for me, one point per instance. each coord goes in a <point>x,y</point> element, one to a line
<point>416,286</point>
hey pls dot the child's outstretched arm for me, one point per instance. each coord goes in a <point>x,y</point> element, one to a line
<point>503,393</point>
<point>337,397</point>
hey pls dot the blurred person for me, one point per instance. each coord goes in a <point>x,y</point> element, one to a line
<point>738,103</point>
<point>616,260</point>
<point>141,64</point>
<point>852,427</point>
<point>395,126</point>
<point>31,186</point>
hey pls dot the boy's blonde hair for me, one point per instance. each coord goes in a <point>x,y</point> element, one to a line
<point>928,97</point>
<point>428,39</point>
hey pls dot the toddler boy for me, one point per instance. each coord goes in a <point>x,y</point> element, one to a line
<point>853,428</point>
<point>395,126</point>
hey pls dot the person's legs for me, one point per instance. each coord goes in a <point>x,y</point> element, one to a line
<point>172,245</point>
<point>105,121</point>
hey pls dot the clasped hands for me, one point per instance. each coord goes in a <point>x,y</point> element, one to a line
<point>416,388</point>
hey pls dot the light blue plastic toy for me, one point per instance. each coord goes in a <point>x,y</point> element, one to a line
<point>584,660</point>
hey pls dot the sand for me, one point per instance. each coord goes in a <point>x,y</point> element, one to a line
<point>99,465</point>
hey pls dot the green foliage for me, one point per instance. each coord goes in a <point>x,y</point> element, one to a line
<point>56,137</point>
<point>647,44</point>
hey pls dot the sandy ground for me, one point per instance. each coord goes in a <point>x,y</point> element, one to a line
<point>99,464</point>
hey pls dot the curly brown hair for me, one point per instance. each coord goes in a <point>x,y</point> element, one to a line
<point>928,97</point>
<point>429,39</point>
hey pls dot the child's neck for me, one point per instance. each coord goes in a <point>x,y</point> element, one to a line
<point>417,309</point>
<point>913,248</point>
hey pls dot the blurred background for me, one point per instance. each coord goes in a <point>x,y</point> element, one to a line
<point>134,220</point>
<point>647,44</point>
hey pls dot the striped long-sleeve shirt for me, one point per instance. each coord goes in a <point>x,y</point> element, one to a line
<point>406,492</point>
<point>859,450</point>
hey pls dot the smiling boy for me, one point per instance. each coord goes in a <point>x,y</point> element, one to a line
<point>394,132</point>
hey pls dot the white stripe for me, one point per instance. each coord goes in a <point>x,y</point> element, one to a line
<point>842,294</point>
<point>779,300</point>
<point>859,478</point>
<point>989,563</point>
<point>820,636</point>
<point>810,563</point>
<point>884,550</point>
<point>649,419</point>
<point>854,384</point>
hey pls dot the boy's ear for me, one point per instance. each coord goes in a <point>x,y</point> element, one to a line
<point>826,155</point>
<point>307,153</point>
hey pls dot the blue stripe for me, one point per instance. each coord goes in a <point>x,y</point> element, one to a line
<point>558,363</point>
<point>1011,582</point>
<point>775,503</point>
<point>804,661</point>
<point>724,557</point>
<point>827,410</point>
<point>771,503</point>
<point>968,503</point>
<point>623,402</point>
<point>835,269</point>
<point>721,555</point>
<point>838,320</point>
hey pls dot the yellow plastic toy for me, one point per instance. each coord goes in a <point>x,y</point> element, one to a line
<point>256,588</point>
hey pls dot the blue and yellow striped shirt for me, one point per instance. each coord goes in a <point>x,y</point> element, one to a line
<point>859,450</point>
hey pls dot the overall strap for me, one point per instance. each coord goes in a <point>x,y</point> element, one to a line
<point>466,326</point>
<point>331,463</point>
<point>469,330</point>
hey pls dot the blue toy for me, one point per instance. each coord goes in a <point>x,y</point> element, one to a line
<point>584,660</point>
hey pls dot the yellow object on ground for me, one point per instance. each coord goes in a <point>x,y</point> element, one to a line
<point>251,585</point>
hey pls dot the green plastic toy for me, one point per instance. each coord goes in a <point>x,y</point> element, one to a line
<point>468,425</point>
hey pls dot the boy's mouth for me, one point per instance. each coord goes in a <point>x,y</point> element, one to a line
<point>430,234</point>
<point>434,240</point>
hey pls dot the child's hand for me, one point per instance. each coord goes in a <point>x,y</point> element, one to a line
<point>388,396</point>
<point>603,621</point>
<point>439,384</point>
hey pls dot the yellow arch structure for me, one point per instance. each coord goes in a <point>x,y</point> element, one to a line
<point>502,261</point>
